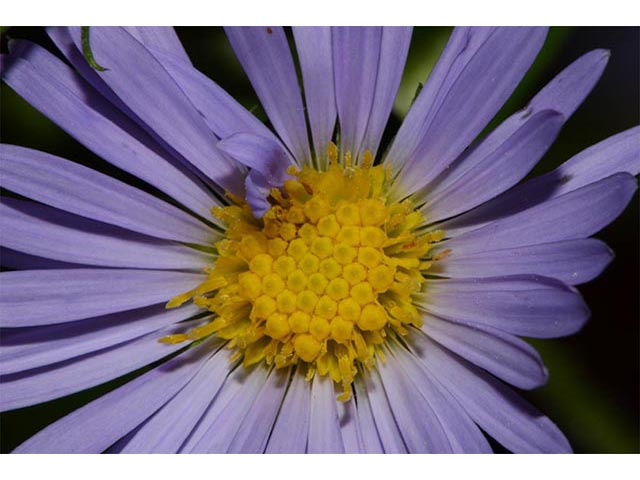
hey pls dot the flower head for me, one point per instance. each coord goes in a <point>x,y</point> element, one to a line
<point>306,289</point>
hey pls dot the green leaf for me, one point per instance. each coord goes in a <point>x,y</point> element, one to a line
<point>86,50</point>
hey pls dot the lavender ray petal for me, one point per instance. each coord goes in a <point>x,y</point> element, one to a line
<point>394,48</point>
<point>472,99</point>
<point>324,424</point>
<point>56,91</point>
<point>368,430</point>
<point>150,92</point>
<point>170,426</point>
<point>44,297</point>
<point>313,45</point>
<point>463,434</point>
<point>33,347</point>
<point>618,153</point>
<point>97,425</point>
<point>58,380</point>
<point>388,429</point>
<point>525,305</point>
<point>49,233</point>
<point>505,356</point>
<point>15,260</point>
<point>266,58</point>
<point>417,422</point>
<point>258,190</point>
<point>491,172</point>
<point>498,410</point>
<point>291,428</point>
<point>163,39</point>
<point>566,217</point>
<point>253,432</point>
<point>563,94</point>
<point>571,261</point>
<point>349,427</point>
<point>356,55</point>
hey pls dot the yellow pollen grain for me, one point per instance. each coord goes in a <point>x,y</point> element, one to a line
<point>322,279</point>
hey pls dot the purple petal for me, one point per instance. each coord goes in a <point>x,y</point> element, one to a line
<point>388,431</point>
<point>507,357</point>
<point>463,44</point>
<point>619,153</point>
<point>47,232</point>
<point>97,425</point>
<point>161,38</point>
<point>571,261</point>
<point>495,408</point>
<point>231,406</point>
<point>149,91</point>
<point>563,94</point>
<point>56,91</point>
<point>263,154</point>
<point>313,45</point>
<point>356,54</point>
<point>574,215</point>
<point>58,380</point>
<point>394,48</point>
<point>462,433</point>
<point>258,190</point>
<point>349,427</point>
<point>266,58</point>
<point>253,432</point>
<point>474,94</point>
<point>418,423</point>
<point>222,113</point>
<point>528,305</point>
<point>291,428</point>
<point>489,173</point>
<point>21,261</point>
<point>167,430</point>
<point>366,422</point>
<point>44,297</point>
<point>26,348</point>
<point>324,424</point>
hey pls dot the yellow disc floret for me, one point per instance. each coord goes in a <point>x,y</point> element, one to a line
<point>322,279</point>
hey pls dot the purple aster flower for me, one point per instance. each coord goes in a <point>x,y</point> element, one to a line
<point>304,289</point>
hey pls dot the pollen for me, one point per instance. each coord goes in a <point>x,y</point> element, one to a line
<point>320,281</point>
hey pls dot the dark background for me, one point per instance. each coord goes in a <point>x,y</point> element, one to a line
<point>593,391</point>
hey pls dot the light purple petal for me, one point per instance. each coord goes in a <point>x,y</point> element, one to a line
<point>166,431</point>
<point>349,427</point>
<point>563,94</point>
<point>150,92</point>
<point>324,424</point>
<point>463,44</point>
<point>356,54</point>
<point>56,91</point>
<point>388,430</point>
<point>366,423</point>
<point>258,190</point>
<point>21,261</point>
<point>418,423</point>
<point>161,38</point>
<point>44,297</point>
<point>51,233</point>
<point>313,45</point>
<point>222,113</point>
<point>291,428</point>
<point>262,154</point>
<point>495,408</point>
<point>97,425</point>
<point>574,215</point>
<point>253,432</point>
<point>525,305</point>
<point>506,356</point>
<point>462,433</point>
<point>266,58</point>
<point>618,153</point>
<point>479,90</point>
<point>58,380</point>
<point>26,348</point>
<point>394,48</point>
<point>489,173</point>
<point>571,261</point>
<point>233,403</point>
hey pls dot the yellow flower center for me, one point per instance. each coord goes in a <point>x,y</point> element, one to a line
<point>321,279</point>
